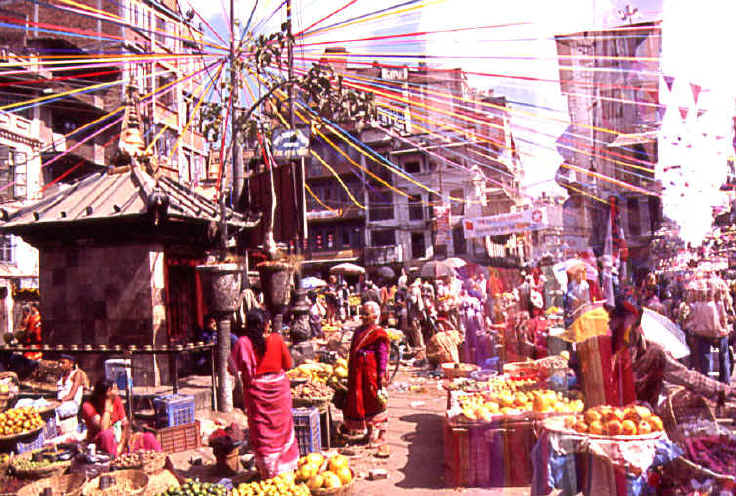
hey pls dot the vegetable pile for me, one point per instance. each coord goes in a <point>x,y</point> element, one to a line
<point>716,453</point>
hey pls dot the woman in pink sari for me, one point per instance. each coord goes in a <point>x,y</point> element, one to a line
<point>262,362</point>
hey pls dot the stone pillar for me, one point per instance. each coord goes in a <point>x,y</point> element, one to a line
<point>221,285</point>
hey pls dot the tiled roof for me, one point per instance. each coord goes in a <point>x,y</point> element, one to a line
<point>105,196</point>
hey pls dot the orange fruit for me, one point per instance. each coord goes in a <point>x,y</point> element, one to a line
<point>337,462</point>
<point>345,475</point>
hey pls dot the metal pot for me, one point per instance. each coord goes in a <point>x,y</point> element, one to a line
<point>221,284</point>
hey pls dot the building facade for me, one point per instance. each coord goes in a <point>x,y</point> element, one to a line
<point>611,81</point>
<point>427,178</point>
<point>50,144</point>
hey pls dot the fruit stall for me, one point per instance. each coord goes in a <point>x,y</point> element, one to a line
<point>490,422</point>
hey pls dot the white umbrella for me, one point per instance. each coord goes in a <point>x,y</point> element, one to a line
<point>312,282</point>
<point>661,331</point>
<point>456,262</point>
<point>347,268</point>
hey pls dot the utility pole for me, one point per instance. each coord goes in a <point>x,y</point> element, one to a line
<point>224,389</point>
<point>300,173</point>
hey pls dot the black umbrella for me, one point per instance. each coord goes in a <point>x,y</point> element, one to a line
<point>386,272</point>
<point>436,270</point>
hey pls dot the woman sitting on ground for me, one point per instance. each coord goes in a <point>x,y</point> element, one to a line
<point>107,425</point>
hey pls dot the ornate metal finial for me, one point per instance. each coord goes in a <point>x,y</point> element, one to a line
<point>131,146</point>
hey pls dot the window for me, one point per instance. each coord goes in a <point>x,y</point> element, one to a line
<point>457,207</point>
<point>632,209</point>
<point>166,97</point>
<point>160,30</point>
<point>345,234</point>
<point>380,205</point>
<point>20,188</point>
<point>413,167</point>
<point>418,247</point>
<point>384,237</point>
<point>458,241</point>
<point>12,171</point>
<point>7,249</point>
<point>416,212</point>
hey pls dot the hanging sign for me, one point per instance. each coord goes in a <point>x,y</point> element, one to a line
<point>290,143</point>
<point>514,222</point>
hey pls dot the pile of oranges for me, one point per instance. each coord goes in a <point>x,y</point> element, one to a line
<point>320,472</point>
<point>18,420</point>
<point>607,420</point>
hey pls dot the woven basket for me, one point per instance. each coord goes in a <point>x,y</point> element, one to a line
<point>687,470</point>
<point>346,490</point>
<point>320,404</point>
<point>451,372</point>
<point>56,468</point>
<point>137,478</point>
<point>62,485</point>
<point>155,464</point>
<point>682,406</point>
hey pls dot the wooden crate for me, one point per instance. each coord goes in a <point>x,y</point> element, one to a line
<point>179,438</point>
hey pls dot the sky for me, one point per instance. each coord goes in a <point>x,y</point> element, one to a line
<point>517,39</point>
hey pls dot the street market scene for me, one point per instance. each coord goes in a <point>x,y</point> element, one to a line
<point>339,247</point>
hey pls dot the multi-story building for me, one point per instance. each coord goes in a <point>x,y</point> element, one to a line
<point>611,81</point>
<point>466,167</point>
<point>39,143</point>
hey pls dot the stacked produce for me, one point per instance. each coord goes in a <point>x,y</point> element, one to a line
<point>315,391</point>
<point>281,485</point>
<point>19,420</point>
<point>324,473</point>
<point>354,300</point>
<point>487,406</point>
<point>39,459</point>
<point>4,458</point>
<point>134,460</point>
<point>324,373</point>
<point>605,420</point>
<point>195,488</point>
<point>715,452</point>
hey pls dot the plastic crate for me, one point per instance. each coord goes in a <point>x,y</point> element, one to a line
<point>174,409</point>
<point>307,430</point>
<point>118,370</point>
<point>30,443</point>
<point>179,438</point>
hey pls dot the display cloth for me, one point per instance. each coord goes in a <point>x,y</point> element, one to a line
<point>556,465</point>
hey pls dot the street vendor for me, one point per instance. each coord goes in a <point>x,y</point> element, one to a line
<point>365,407</point>
<point>262,359</point>
<point>107,425</point>
<point>70,388</point>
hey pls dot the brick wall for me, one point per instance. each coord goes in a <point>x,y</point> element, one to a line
<point>106,295</point>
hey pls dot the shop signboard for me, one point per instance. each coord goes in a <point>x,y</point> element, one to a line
<point>443,235</point>
<point>514,222</point>
<point>290,143</point>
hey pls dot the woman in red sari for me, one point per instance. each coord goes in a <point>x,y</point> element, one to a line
<point>262,362</point>
<point>365,408</point>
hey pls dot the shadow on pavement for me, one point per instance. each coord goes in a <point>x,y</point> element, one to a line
<point>423,468</point>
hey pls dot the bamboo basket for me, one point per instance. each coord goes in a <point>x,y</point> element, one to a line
<point>53,469</point>
<point>62,485</point>
<point>137,478</point>
<point>452,370</point>
<point>682,406</point>
<point>346,490</point>
<point>155,464</point>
